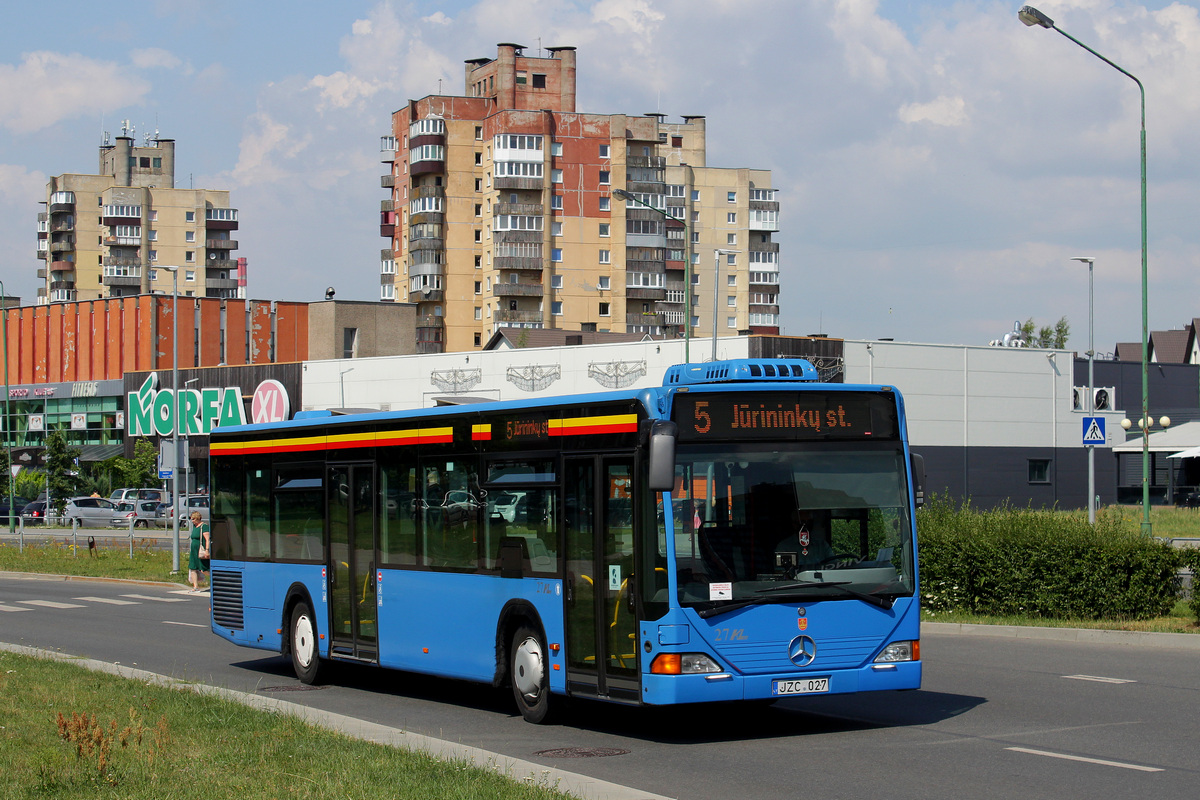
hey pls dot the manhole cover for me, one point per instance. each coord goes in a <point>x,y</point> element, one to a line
<point>300,688</point>
<point>582,752</point>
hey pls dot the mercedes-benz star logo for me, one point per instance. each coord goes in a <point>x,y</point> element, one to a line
<point>802,651</point>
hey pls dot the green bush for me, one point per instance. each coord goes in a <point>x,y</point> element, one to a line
<point>1043,563</point>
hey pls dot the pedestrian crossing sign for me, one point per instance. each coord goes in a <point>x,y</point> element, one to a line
<point>1093,431</point>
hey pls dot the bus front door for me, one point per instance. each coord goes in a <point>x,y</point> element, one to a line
<point>352,562</point>
<point>600,625</point>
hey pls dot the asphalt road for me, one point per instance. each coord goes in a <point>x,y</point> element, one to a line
<point>996,717</point>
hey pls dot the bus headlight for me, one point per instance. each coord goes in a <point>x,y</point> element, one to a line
<point>900,651</point>
<point>683,664</point>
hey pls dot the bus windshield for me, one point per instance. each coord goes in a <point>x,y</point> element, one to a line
<point>768,522</point>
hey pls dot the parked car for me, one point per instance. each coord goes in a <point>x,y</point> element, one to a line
<point>34,513</point>
<point>140,512</point>
<point>122,495</point>
<point>13,511</point>
<point>91,512</point>
<point>505,504</point>
<point>196,502</point>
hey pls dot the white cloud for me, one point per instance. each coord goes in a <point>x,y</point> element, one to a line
<point>47,88</point>
<point>946,111</point>
<point>154,57</point>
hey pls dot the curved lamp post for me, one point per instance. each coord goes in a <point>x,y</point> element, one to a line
<point>7,417</point>
<point>1031,16</point>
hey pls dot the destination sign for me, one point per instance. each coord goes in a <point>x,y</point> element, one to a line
<point>786,416</point>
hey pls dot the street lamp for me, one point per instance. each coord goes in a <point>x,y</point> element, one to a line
<point>175,414</point>
<point>7,416</point>
<point>1031,16</point>
<point>342,381</point>
<point>716,290</point>
<point>687,268</point>
<point>1091,402</point>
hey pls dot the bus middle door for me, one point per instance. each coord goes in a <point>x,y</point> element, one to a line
<point>352,587</point>
<point>600,628</point>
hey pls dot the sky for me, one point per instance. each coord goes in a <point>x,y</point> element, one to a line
<point>938,163</point>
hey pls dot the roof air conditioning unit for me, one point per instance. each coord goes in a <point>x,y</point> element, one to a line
<point>1102,400</point>
<point>1080,399</point>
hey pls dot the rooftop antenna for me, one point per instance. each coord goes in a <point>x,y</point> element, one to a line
<point>539,47</point>
<point>125,127</point>
<point>439,86</point>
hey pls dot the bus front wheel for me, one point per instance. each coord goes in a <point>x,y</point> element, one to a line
<point>529,673</point>
<point>306,659</point>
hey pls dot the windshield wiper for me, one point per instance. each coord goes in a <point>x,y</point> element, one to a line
<point>750,601</point>
<point>875,600</point>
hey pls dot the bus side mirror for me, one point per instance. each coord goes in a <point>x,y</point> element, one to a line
<point>918,478</point>
<point>662,456</point>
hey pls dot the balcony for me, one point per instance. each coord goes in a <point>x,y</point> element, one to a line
<point>525,263</point>
<point>43,249</point>
<point>386,254</point>
<point>426,243</point>
<point>517,237</point>
<point>230,264</point>
<point>387,149</point>
<point>762,308</point>
<point>518,290</point>
<point>534,184</point>
<point>121,262</point>
<point>61,284</point>
<point>522,317</point>
<point>123,270</point>
<point>387,205</point>
<point>427,296</point>
<point>765,247</point>
<point>644,318</point>
<point>63,245</point>
<point>221,244</point>
<point>387,181</point>
<point>62,202</point>
<point>116,214</point>
<point>764,205</point>
<point>220,283</point>
<point>64,222</point>
<point>221,219</point>
<point>520,209</point>
<point>122,241</point>
<point>62,266</point>
<point>645,293</point>
<point>41,273</point>
<point>646,187</point>
<point>431,321</point>
<point>123,280</point>
<point>646,162</point>
<point>62,295</point>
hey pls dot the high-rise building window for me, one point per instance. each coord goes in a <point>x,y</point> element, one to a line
<point>479,133</point>
<point>731,217</point>
<point>478,290</point>
<point>556,202</point>
<point>556,254</point>
<point>556,148</point>
<point>603,282</point>
<point>731,322</point>
<point>556,308</point>
<point>478,312</point>
<point>478,159</point>
<point>731,197</point>
<point>731,259</point>
<point>539,81</point>
<point>604,229</point>
<point>731,301</point>
<point>604,310</point>
<point>189,236</point>
<point>189,275</point>
<point>556,281</point>
<point>605,257</point>
<point>604,203</point>
<point>349,342</point>
<point>604,151</point>
<point>695,195</point>
<point>556,175</point>
<point>731,238</point>
<point>604,176</point>
<point>522,77</point>
<point>556,229</point>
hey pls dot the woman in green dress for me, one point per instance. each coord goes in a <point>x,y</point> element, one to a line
<point>197,566</point>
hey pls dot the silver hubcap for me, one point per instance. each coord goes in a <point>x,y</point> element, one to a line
<point>303,641</point>
<point>529,669</point>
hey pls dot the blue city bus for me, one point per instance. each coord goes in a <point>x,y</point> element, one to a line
<point>743,532</point>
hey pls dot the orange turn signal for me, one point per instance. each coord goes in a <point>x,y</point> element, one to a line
<point>916,649</point>
<point>667,664</point>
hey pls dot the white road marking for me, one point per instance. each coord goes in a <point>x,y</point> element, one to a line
<point>110,600</point>
<point>49,604</point>
<point>1097,679</point>
<point>1099,761</point>
<point>156,599</point>
<point>13,608</point>
<point>188,624</point>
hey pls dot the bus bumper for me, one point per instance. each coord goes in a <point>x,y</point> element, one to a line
<point>724,686</point>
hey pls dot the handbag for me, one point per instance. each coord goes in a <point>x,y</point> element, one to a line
<point>203,550</point>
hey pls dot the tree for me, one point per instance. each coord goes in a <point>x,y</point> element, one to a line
<point>142,469</point>
<point>1046,336</point>
<point>61,466</point>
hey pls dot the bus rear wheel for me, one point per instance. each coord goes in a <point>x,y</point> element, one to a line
<point>306,658</point>
<point>529,674</point>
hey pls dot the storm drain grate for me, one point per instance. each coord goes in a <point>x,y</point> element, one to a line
<point>301,688</point>
<point>582,752</point>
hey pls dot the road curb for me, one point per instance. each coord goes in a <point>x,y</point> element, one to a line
<point>518,770</point>
<point>1173,641</point>
<point>54,576</point>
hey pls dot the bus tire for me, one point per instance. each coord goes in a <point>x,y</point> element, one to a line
<point>529,674</point>
<point>306,656</point>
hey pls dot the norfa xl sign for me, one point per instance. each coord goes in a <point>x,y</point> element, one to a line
<point>151,410</point>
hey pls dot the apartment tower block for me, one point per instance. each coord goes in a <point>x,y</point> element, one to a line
<point>104,235</point>
<point>508,208</point>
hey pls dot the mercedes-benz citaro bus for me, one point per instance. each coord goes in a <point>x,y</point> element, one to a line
<point>743,532</point>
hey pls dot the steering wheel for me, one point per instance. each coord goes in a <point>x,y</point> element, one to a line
<point>838,560</point>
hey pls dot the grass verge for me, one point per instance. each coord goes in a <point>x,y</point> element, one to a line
<point>60,558</point>
<point>72,733</point>
<point>1180,620</point>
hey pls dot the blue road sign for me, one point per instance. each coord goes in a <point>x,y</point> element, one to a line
<point>164,474</point>
<point>1093,431</point>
